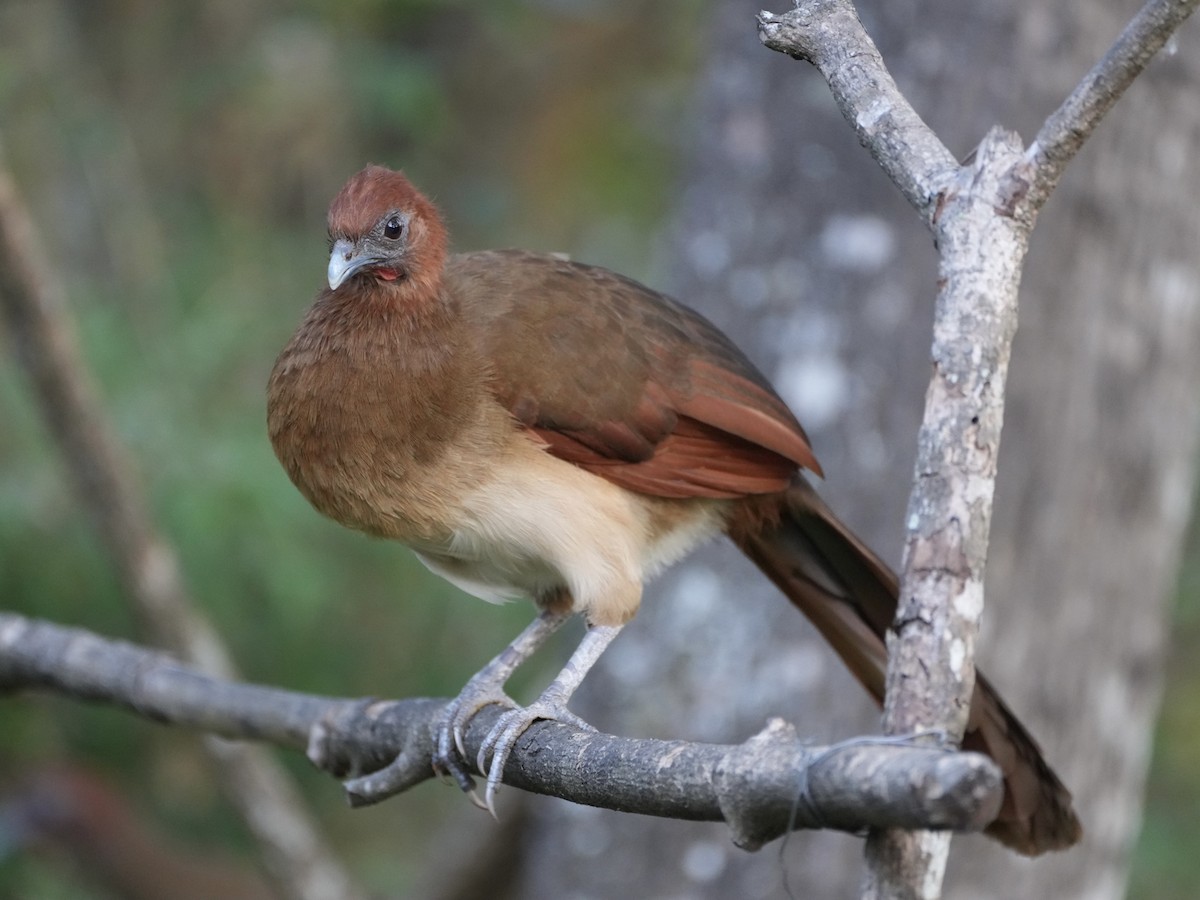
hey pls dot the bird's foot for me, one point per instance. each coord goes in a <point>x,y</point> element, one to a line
<point>504,734</point>
<point>449,758</point>
<point>486,687</point>
<point>552,704</point>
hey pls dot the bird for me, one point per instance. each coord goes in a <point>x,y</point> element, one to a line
<point>531,426</point>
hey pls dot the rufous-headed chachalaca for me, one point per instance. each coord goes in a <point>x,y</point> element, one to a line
<point>541,428</point>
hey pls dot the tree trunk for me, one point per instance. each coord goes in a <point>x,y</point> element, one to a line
<point>790,240</point>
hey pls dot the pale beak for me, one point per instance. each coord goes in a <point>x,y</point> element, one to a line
<point>344,263</point>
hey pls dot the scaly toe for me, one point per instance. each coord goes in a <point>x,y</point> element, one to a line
<point>498,745</point>
<point>503,737</point>
<point>449,758</point>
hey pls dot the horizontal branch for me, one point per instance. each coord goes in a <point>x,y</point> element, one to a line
<point>761,788</point>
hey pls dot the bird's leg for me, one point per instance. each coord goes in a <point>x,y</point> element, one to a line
<point>552,704</point>
<point>487,686</point>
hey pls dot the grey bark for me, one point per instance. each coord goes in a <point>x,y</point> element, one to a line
<point>761,788</point>
<point>1097,472</point>
<point>791,241</point>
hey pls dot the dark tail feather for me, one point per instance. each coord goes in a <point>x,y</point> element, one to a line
<point>850,595</point>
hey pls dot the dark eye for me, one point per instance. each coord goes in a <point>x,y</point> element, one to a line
<point>393,228</point>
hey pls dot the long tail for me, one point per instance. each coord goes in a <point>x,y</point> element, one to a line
<point>850,595</point>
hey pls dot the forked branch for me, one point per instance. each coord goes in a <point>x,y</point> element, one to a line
<point>981,214</point>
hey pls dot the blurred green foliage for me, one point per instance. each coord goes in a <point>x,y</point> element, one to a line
<point>1165,865</point>
<point>178,159</point>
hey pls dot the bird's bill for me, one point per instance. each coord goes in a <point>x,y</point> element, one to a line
<point>345,262</point>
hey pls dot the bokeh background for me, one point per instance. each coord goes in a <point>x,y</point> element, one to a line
<point>178,159</point>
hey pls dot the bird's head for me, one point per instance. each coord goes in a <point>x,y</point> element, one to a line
<point>383,228</point>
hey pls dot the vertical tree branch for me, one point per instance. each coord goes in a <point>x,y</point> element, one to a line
<point>931,660</point>
<point>981,223</point>
<point>34,311</point>
<point>931,673</point>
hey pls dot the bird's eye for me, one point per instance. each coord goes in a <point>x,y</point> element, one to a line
<point>393,228</point>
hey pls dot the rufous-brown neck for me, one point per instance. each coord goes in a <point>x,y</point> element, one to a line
<point>365,399</point>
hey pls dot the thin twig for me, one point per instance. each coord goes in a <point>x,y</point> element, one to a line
<point>1068,127</point>
<point>828,34</point>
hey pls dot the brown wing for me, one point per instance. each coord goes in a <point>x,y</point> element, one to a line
<point>625,382</point>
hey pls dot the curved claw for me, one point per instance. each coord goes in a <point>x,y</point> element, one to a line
<point>487,687</point>
<point>503,737</point>
<point>448,767</point>
<point>484,688</point>
<point>449,756</point>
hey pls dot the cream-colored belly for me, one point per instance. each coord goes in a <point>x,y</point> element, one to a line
<point>546,526</point>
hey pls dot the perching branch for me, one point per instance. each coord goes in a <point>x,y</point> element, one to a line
<point>33,310</point>
<point>761,788</point>
<point>981,214</point>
